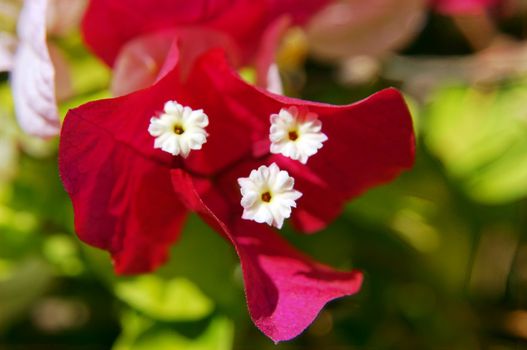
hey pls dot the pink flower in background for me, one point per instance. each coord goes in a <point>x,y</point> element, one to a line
<point>375,28</point>
<point>245,160</point>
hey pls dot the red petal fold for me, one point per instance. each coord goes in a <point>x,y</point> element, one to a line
<point>140,62</point>
<point>285,290</point>
<point>123,200</point>
<point>146,59</point>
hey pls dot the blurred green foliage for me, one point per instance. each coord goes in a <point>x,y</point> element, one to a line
<point>480,135</point>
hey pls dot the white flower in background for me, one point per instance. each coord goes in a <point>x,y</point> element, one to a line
<point>268,195</point>
<point>33,75</point>
<point>296,134</point>
<point>179,129</point>
<point>38,72</point>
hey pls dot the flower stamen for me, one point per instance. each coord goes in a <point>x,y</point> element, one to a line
<point>178,129</point>
<point>266,197</point>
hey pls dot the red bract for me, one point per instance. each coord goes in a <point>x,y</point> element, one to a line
<point>131,199</point>
<point>109,24</point>
<point>127,32</point>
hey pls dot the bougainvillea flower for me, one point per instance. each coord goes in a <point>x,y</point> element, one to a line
<point>464,7</point>
<point>109,24</point>
<point>121,32</point>
<point>131,194</point>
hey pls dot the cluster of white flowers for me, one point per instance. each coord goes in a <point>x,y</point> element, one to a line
<point>268,194</point>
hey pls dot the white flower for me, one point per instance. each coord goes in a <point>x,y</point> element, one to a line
<point>179,129</point>
<point>296,134</point>
<point>33,74</point>
<point>268,195</point>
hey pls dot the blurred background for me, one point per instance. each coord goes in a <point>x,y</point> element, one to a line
<point>443,248</point>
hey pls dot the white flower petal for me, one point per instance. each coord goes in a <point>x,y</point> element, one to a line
<point>273,183</point>
<point>192,124</point>
<point>296,134</point>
